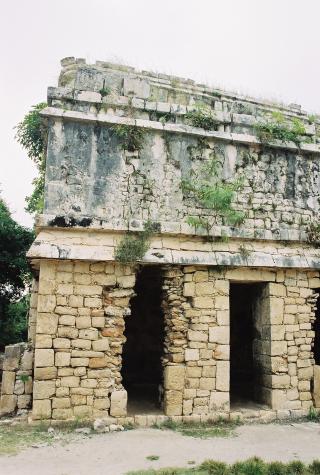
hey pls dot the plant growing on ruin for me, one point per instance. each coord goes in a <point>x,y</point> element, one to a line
<point>105,90</point>
<point>313,234</point>
<point>244,251</point>
<point>214,194</point>
<point>133,246</point>
<point>202,117</point>
<point>31,134</point>
<point>131,137</point>
<point>279,129</point>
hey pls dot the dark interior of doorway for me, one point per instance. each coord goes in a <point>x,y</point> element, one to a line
<point>316,328</point>
<point>144,329</point>
<point>244,375</point>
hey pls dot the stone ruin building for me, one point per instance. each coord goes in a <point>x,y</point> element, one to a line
<point>219,314</point>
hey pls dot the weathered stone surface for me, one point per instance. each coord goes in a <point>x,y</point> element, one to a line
<point>44,358</point>
<point>43,389</point>
<point>8,380</point>
<point>118,405</point>
<point>174,377</point>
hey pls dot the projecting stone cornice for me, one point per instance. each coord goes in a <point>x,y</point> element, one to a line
<point>230,137</point>
<point>100,246</point>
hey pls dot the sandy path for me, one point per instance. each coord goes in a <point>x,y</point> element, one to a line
<point>116,453</point>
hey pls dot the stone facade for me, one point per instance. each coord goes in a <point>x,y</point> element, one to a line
<point>97,190</point>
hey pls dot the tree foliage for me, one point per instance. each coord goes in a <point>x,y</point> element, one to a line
<point>31,134</point>
<point>15,276</point>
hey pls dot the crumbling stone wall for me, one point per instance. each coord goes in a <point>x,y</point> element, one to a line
<point>16,387</point>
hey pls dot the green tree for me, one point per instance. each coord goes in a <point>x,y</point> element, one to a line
<point>15,277</point>
<point>31,134</point>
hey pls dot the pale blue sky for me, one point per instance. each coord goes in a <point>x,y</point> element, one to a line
<point>267,48</point>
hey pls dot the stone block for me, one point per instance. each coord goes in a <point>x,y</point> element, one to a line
<point>68,320</point>
<point>93,302</point>
<point>197,335</point>
<point>70,381</point>
<point>24,401</point>
<point>203,288</point>
<point>45,373</point>
<point>89,334</point>
<point>118,405</point>
<point>191,354</point>
<point>18,387</point>
<point>61,343</point>
<point>8,404</point>
<point>75,362</point>
<point>98,322</point>
<point>47,323</point>
<point>8,381</point>
<point>173,403</point>
<point>43,341</point>
<point>189,289</point>
<point>68,332</point>
<point>219,401</point>
<point>46,303</point>
<point>83,322</point>
<point>26,360</point>
<point>223,376</point>
<point>12,357</point>
<point>223,317</point>
<point>81,344</point>
<point>276,310</point>
<point>41,409</point>
<point>82,411</point>
<point>44,389</point>
<point>203,302</point>
<point>43,358</point>
<point>219,335</point>
<point>207,383</point>
<point>174,377</point>
<point>98,362</point>
<point>222,302</point>
<point>316,385</point>
<point>62,359</point>
<point>76,301</point>
<point>61,403</point>
<point>100,345</point>
<point>62,414</point>
<point>222,352</point>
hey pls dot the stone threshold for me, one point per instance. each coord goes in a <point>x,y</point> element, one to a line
<point>257,416</point>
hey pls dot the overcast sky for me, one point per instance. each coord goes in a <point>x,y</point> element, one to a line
<point>267,48</point>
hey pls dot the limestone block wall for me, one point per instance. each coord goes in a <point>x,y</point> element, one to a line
<point>197,358</point>
<point>79,338</point>
<point>81,315</point>
<point>16,387</point>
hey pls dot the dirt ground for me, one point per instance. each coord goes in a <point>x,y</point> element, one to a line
<point>117,453</point>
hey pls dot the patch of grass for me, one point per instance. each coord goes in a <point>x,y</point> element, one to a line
<point>15,438</point>
<point>220,428</point>
<point>18,437</point>
<point>152,457</point>
<point>253,466</point>
<point>313,415</point>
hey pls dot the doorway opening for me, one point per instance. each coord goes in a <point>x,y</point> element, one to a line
<point>247,330</point>
<point>142,371</point>
<point>316,328</point>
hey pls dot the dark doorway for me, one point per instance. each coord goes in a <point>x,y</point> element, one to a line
<point>316,328</point>
<point>245,340</point>
<point>141,365</point>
